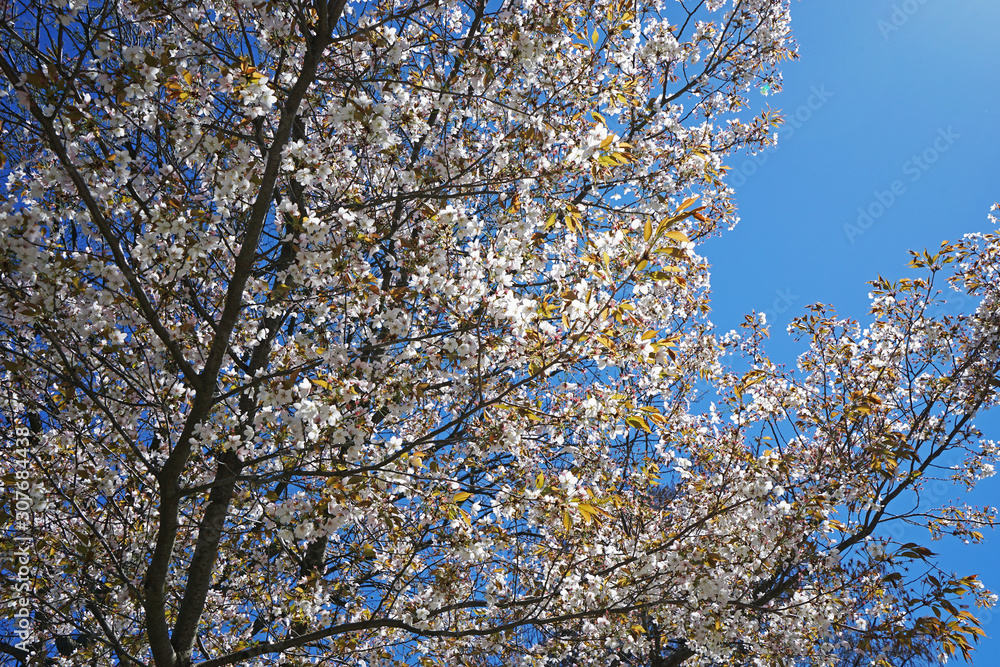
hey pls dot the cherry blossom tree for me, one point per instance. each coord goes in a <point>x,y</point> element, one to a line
<point>376,333</point>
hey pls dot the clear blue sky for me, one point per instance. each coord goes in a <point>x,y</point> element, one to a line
<point>887,94</point>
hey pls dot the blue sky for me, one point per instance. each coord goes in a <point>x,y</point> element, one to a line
<point>893,109</point>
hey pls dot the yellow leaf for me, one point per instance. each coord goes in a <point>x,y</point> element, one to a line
<point>650,334</point>
<point>658,419</point>
<point>687,202</point>
<point>647,230</point>
<point>598,117</point>
<point>188,78</point>
<point>678,236</point>
<point>320,383</point>
<point>595,37</point>
<point>671,221</point>
<point>673,252</point>
<point>540,481</point>
<point>461,496</point>
<point>607,141</point>
<point>635,421</point>
<point>589,512</point>
<point>567,521</point>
